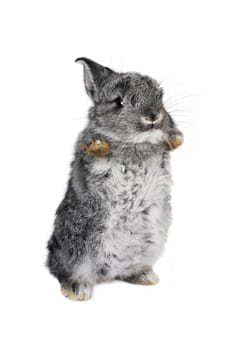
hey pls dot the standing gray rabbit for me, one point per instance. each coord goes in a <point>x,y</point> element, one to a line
<point>114,219</point>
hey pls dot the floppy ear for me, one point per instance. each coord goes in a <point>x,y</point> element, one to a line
<point>94,76</point>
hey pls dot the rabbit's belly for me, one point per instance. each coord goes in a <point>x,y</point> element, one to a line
<point>137,203</point>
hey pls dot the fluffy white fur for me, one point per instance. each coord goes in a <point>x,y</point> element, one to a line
<point>137,197</point>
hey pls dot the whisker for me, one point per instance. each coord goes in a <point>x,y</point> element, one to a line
<point>164,80</point>
<point>187,113</point>
<point>80,118</point>
<point>182,114</point>
<point>169,105</point>
<point>181,122</point>
<point>178,101</point>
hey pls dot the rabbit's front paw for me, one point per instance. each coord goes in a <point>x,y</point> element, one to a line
<point>96,147</point>
<point>174,142</point>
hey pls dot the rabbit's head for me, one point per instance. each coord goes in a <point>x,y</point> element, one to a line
<point>127,105</point>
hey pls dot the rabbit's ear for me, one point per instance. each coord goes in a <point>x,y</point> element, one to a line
<point>94,76</point>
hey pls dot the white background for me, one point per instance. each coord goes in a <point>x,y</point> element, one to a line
<point>188,46</point>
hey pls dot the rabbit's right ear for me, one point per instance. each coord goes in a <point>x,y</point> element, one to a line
<point>94,76</point>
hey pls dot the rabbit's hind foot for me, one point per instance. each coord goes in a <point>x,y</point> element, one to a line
<point>77,292</point>
<point>144,278</point>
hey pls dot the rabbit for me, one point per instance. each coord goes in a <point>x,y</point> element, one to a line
<point>113,221</point>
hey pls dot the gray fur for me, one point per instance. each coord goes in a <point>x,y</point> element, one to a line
<point>114,219</point>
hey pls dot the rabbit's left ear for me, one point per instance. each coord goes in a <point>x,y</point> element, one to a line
<point>94,76</point>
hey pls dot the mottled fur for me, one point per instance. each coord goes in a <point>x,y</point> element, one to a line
<point>114,219</point>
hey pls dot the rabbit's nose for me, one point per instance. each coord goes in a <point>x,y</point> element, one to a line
<point>152,120</point>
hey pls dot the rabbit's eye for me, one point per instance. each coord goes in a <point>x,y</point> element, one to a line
<point>118,102</point>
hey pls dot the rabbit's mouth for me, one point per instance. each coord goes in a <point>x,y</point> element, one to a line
<point>156,125</point>
<point>153,136</point>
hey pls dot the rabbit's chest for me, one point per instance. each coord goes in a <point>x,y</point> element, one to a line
<point>130,187</point>
<point>135,196</point>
